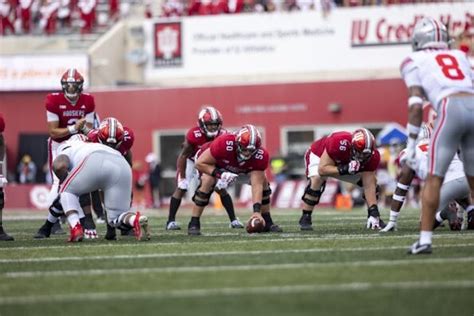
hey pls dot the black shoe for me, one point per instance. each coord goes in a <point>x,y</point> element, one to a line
<point>43,232</point>
<point>305,222</point>
<point>453,220</point>
<point>470,220</point>
<point>127,232</point>
<point>5,237</point>
<point>417,249</point>
<point>273,228</point>
<point>57,229</point>
<point>194,230</point>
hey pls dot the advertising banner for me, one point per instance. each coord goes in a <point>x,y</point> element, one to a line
<point>347,40</point>
<point>39,72</point>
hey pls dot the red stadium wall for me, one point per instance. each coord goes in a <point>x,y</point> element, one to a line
<point>271,106</point>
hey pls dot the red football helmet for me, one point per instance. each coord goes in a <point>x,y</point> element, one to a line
<point>72,83</point>
<point>111,132</point>
<point>248,142</point>
<point>363,144</point>
<point>210,121</point>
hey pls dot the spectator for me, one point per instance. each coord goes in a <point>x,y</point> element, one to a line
<point>64,13</point>
<point>5,14</point>
<point>49,15</point>
<point>24,10</point>
<point>278,167</point>
<point>173,8</point>
<point>26,170</point>
<point>87,12</point>
<point>154,177</point>
<point>114,12</point>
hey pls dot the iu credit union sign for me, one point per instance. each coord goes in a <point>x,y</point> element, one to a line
<point>168,50</point>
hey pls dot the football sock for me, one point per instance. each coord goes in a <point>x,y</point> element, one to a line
<point>425,237</point>
<point>97,204</point>
<point>194,221</point>
<point>307,212</point>
<point>229,206</point>
<point>174,206</point>
<point>268,219</point>
<point>73,219</point>
<point>394,216</point>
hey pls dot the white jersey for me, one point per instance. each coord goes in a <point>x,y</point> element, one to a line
<point>455,169</point>
<point>440,72</point>
<point>77,151</point>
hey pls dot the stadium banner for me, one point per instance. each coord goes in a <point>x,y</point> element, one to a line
<point>39,72</point>
<point>347,40</point>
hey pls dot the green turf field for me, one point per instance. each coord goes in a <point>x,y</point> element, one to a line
<point>338,269</point>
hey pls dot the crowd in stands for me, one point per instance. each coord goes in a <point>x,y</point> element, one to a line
<point>65,16</point>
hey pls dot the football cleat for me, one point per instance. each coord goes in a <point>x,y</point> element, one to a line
<point>140,227</point>
<point>390,227</point>
<point>4,236</point>
<point>111,233</point>
<point>273,228</point>
<point>43,232</point>
<point>76,233</point>
<point>417,249</point>
<point>236,224</point>
<point>470,220</point>
<point>454,222</point>
<point>90,234</point>
<point>173,225</point>
<point>194,230</point>
<point>57,229</point>
<point>305,222</point>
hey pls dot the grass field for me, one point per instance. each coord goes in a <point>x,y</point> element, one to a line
<point>338,269</point>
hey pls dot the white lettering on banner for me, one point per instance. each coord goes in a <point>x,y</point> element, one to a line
<point>29,72</point>
<point>360,40</point>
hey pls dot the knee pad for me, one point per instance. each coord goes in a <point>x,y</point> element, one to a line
<point>310,196</point>
<point>85,200</point>
<point>201,198</point>
<point>266,196</point>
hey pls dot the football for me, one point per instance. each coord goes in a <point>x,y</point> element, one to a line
<point>255,225</point>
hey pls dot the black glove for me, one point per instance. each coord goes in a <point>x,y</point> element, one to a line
<point>373,211</point>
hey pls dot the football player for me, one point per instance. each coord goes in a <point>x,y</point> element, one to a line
<point>349,157</point>
<point>221,161</point>
<point>455,186</point>
<point>84,167</point>
<point>68,113</point>
<point>209,127</point>
<point>3,181</point>
<point>442,76</point>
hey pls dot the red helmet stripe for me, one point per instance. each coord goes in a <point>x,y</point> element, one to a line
<point>438,30</point>
<point>368,139</point>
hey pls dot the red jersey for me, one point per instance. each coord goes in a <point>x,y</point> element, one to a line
<point>59,108</point>
<point>2,124</point>
<point>224,151</point>
<point>338,147</point>
<point>196,138</point>
<point>125,146</point>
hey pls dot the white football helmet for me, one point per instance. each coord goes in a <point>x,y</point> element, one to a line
<point>430,33</point>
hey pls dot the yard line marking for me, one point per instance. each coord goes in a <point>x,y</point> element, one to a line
<point>284,237</point>
<point>243,291</point>
<point>216,253</point>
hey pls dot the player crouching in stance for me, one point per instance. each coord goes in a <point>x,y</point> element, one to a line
<point>349,157</point>
<point>86,167</point>
<point>221,161</point>
<point>455,185</point>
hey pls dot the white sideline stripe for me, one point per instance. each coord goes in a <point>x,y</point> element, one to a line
<point>217,253</point>
<point>243,291</point>
<point>284,237</point>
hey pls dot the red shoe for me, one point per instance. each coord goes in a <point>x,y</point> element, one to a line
<point>141,222</point>
<point>76,233</point>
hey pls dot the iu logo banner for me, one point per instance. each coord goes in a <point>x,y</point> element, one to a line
<point>168,44</point>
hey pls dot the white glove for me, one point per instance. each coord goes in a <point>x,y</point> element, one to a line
<point>3,181</point>
<point>183,184</point>
<point>220,185</point>
<point>373,223</point>
<point>390,227</point>
<point>228,177</point>
<point>354,166</point>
